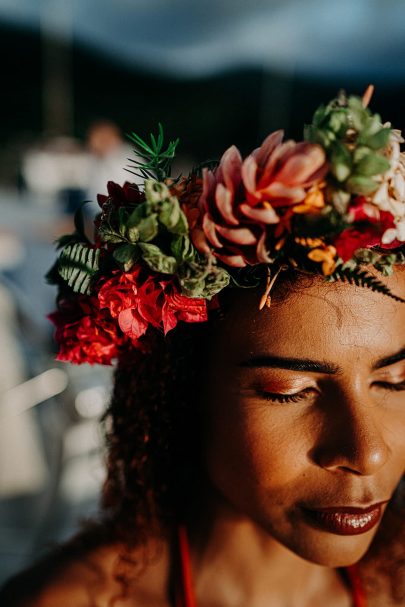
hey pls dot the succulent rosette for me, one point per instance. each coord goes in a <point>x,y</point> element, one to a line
<point>333,204</point>
<point>241,199</point>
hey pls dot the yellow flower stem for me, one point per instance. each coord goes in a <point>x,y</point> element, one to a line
<point>266,299</point>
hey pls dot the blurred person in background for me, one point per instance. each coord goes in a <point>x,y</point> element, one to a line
<point>110,158</point>
<point>56,173</point>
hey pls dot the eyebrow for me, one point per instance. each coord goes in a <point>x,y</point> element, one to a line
<point>389,360</point>
<point>312,366</point>
<point>292,364</point>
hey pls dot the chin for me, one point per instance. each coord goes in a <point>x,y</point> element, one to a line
<point>330,550</point>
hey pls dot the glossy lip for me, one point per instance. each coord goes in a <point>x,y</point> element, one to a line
<point>345,520</point>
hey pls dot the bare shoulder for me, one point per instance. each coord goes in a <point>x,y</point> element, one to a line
<point>64,578</point>
<point>91,577</point>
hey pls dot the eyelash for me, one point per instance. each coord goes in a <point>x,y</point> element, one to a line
<point>300,396</point>
<point>287,398</point>
<point>393,387</point>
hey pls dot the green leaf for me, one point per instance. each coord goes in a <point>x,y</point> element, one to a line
<point>136,216</point>
<point>133,234</point>
<point>383,262</point>
<point>126,255</point>
<point>122,221</point>
<point>182,225</point>
<point>338,121</point>
<point>170,213</point>
<point>322,136</point>
<point>173,218</point>
<point>148,228</point>
<point>107,234</point>
<point>319,115</point>
<point>77,265</point>
<point>203,280</point>
<point>358,184</point>
<point>182,248</point>
<point>372,164</point>
<point>376,141</point>
<point>341,161</point>
<point>157,260</point>
<point>357,114</point>
<point>362,151</point>
<point>372,125</point>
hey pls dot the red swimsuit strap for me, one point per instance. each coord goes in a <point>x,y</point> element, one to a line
<point>359,596</point>
<point>185,591</point>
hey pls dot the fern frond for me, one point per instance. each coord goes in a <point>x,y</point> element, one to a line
<point>77,265</point>
<point>362,278</point>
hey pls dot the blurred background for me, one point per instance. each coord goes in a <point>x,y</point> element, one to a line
<point>79,74</point>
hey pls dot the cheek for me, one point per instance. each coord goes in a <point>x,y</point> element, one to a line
<point>256,449</point>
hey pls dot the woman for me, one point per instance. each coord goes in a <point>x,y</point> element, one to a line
<point>256,452</point>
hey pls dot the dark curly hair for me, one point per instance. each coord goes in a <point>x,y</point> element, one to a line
<point>152,430</point>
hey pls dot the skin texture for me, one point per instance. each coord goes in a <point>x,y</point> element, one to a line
<point>339,442</point>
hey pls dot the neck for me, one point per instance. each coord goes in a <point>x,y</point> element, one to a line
<point>236,562</point>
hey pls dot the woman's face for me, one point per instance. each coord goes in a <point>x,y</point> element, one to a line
<point>306,415</point>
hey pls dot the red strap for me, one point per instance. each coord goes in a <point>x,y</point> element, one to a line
<point>185,596</point>
<point>359,596</point>
<point>185,593</point>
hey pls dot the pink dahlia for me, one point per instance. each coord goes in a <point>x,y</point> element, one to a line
<point>240,198</point>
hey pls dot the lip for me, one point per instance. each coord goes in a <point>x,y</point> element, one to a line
<point>345,520</point>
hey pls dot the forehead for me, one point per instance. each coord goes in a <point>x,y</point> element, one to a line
<point>322,320</point>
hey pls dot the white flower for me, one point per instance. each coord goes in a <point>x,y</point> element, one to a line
<point>397,233</point>
<point>390,195</point>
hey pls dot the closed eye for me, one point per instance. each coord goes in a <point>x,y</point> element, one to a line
<point>385,385</point>
<point>287,398</point>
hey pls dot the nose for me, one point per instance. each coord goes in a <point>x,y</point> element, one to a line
<point>352,437</point>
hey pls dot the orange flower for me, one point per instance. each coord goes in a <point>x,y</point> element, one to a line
<point>313,202</point>
<point>325,254</point>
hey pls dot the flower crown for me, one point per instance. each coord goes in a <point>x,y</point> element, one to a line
<point>328,205</point>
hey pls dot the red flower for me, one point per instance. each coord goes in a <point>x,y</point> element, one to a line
<point>85,333</point>
<point>138,300</point>
<point>129,195</point>
<point>351,239</point>
<point>369,224</point>
<point>121,196</point>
